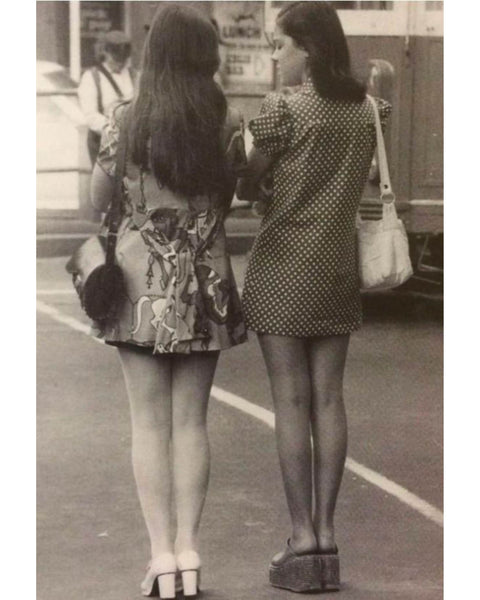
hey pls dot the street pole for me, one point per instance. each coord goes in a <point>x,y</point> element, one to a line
<point>74,6</point>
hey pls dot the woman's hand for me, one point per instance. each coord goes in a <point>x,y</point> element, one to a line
<point>250,180</point>
<point>265,193</point>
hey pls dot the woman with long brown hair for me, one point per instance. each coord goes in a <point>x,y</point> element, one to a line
<point>181,306</point>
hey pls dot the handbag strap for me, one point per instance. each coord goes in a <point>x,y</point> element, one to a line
<point>98,87</point>
<point>386,193</point>
<point>115,212</point>
<point>110,79</point>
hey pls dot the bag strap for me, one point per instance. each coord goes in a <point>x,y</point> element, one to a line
<point>110,79</point>
<point>386,193</point>
<point>115,212</point>
<point>96,80</point>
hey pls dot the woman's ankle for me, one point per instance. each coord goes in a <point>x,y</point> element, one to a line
<point>159,548</point>
<point>303,540</point>
<point>185,544</point>
<point>326,540</point>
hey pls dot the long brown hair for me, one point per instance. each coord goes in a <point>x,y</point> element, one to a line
<point>315,27</point>
<point>179,111</point>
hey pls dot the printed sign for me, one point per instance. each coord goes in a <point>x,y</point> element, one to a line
<point>247,55</point>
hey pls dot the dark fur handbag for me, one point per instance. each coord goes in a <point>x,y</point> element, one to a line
<point>96,277</point>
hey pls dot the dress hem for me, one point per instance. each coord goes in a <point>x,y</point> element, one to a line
<point>322,333</point>
<point>149,348</point>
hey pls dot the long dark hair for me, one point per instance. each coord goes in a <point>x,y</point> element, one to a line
<point>316,28</point>
<point>179,111</point>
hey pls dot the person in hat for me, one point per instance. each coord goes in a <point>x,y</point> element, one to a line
<point>104,85</point>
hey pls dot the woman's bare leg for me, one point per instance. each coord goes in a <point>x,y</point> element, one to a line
<point>287,365</point>
<point>148,381</point>
<point>329,428</point>
<point>192,378</point>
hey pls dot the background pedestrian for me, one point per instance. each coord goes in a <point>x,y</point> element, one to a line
<point>104,85</point>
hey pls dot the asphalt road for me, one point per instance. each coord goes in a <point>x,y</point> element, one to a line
<point>91,540</point>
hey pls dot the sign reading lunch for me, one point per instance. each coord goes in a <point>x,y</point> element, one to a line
<point>247,52</point>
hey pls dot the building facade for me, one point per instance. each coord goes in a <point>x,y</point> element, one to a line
<point>405,39</point>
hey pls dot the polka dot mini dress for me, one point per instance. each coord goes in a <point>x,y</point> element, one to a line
<point>302,278</point>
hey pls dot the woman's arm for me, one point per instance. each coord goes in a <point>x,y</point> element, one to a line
<point>248,186</point>
<point>102,187</point>
<point>88,99</point>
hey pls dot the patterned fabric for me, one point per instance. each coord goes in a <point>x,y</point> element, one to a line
<point>302,278</point>
<point>180,290</point>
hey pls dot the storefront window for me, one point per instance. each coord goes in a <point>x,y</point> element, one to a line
<point>96,18</point>
<point>433,5</point>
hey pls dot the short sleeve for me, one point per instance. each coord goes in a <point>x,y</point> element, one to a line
<point>272,129</point>
<point>107,154</point>
<point>384,111</point>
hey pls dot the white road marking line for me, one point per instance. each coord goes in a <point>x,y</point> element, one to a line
<point>267,417</point>
<point>262,414</point>
<point>424,508</point>
<point>402,494</point>
<point>71,322</point>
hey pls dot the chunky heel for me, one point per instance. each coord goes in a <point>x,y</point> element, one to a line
<point>160,579</point>
<point>295,572</point>
<point>188,563</point>
<point>166,586</point>
<point>328,572</point>
<point>190,583</point>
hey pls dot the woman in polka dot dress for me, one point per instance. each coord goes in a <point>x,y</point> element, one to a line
<point>316,142</point>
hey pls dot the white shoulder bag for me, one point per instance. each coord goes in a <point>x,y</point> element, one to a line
<point>383,255</point>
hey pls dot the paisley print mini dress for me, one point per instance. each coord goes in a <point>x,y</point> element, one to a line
<point>180,293</point>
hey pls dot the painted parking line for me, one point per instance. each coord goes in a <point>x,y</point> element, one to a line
<point>262,414</point>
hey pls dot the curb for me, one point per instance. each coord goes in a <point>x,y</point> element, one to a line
<point>53,245</point>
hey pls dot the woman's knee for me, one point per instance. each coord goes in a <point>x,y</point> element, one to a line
<point>294,399</point>
<point>151,411</point>
<point>327,398</point>
<point>187,422</point>
<point>151,421</point>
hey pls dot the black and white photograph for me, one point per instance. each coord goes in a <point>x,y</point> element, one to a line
<point>240,299</point>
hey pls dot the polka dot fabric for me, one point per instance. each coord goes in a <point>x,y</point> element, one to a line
<point>302,278</point>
